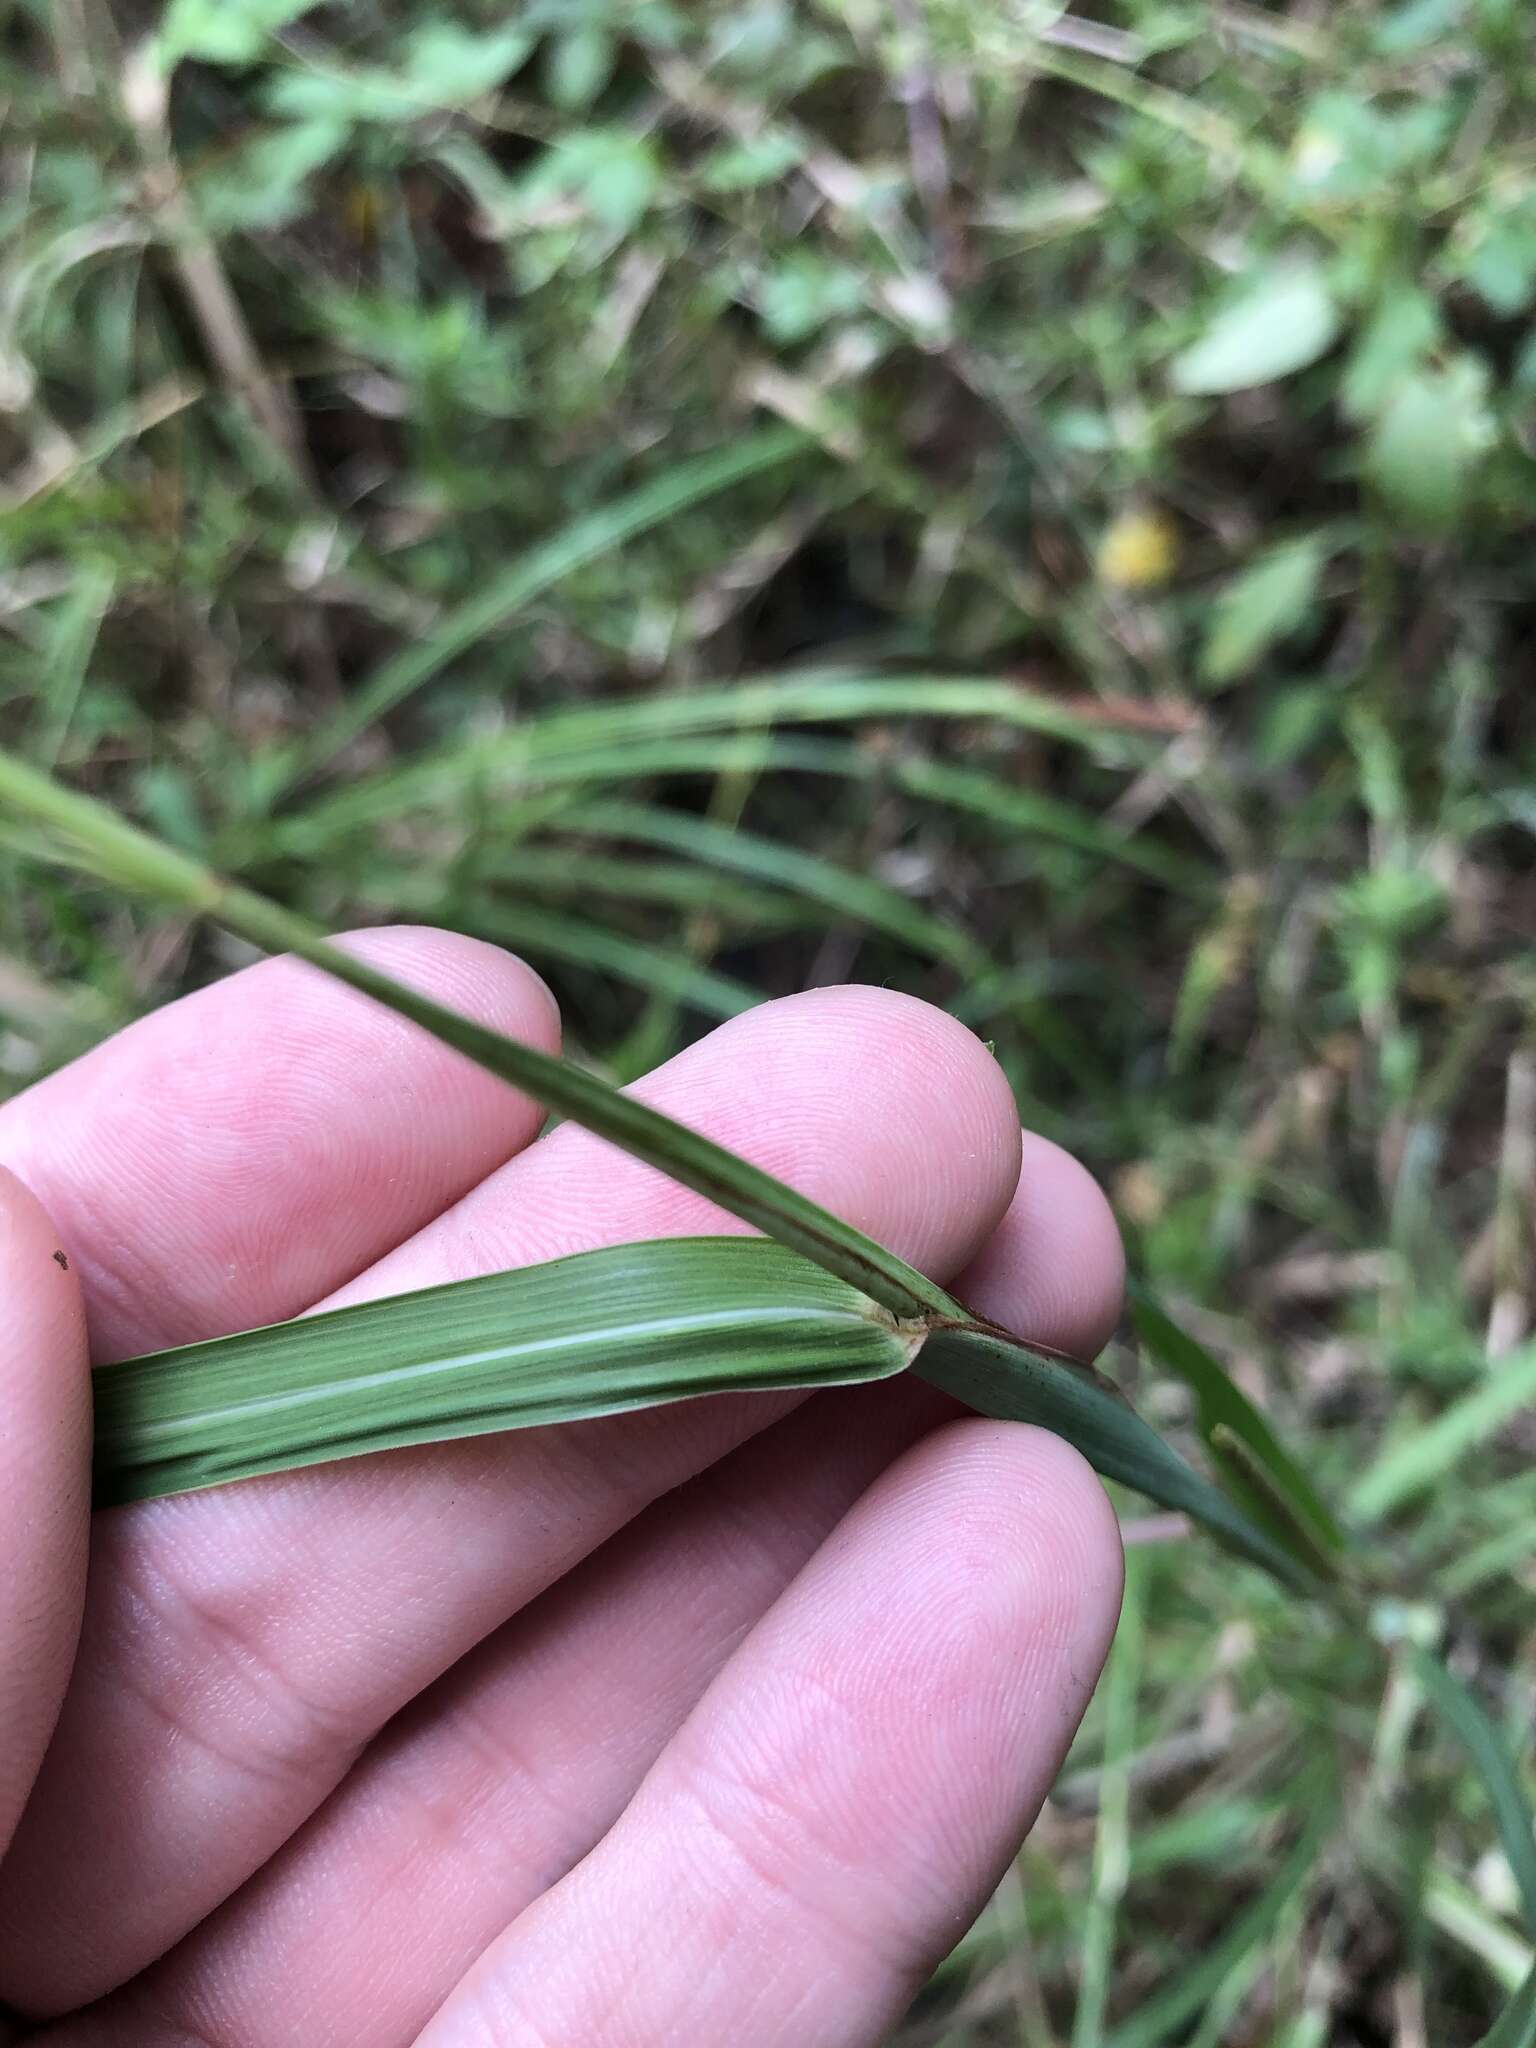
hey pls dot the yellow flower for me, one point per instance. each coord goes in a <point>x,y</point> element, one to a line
<point>1139,550</point>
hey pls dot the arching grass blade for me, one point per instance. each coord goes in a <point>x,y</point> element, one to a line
<point>583,541</point>
<point>991,1371</point>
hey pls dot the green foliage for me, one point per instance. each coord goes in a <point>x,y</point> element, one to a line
<point>1280,322</point>
<point>1260,607</point>
<point>480,470</point>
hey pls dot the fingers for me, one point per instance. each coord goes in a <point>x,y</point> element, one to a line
<point>505,1774</point>
<point>236,1155</point>
<point>241,1646</point>
<point>849,1789</point>
<point>45,1455</point>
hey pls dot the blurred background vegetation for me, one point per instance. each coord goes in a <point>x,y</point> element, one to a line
<point>1028,505</point>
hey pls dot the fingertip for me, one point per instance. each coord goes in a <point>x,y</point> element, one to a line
<point>1054,1268</point>
<point>469,974</point>
<point>890,1111</point>
<point>45,1438</point>
<point>1029,1536</point>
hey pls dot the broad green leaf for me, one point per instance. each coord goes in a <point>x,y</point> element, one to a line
<point>1400,333</point>
<point>1284,320</point>
<point>223,31</point>
<point>685,484</point>
<point>1415,25</point>
<point>1466,1718</point>
<point>595,1334</point>
<point>805,292</point>
<point>1350,147</point>
<point>443,65</point>
<point>578,65</point>
<point>1426,445</point>
<point>612,172</point>
<point>1270,599</point>
<point>1221,1404</point>
<point>263,183</point>
<point>740,166</point>
<point>989,1372</point>
<point>1498,256</point>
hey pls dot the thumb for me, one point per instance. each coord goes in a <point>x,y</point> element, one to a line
<point>45,1440</point>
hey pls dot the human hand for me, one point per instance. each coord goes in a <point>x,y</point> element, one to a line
<point>712,1723</point>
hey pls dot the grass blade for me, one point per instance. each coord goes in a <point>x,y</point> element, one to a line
<point>1415,1463</point>
<point>1279,1493</point>
<point>1516,2025</point>
<point>583,541</point>
<point>1161,2018</point>
<point>806,875</point>
<point>557,935</point>
<point>594,1334</point>
<point>109,845</point>
<point>1464,1715</point>
<point>822,697</point>
<point>969,791</point>
<point>988,1371</point>
<point>1112,1833</point>
<point>1000,1375</point>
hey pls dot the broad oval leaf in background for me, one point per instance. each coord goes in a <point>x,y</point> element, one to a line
<point>1426,445</point>
<point>1258,608</point>
<point>1282,321</point>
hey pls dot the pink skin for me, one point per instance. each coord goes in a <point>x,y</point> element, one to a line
<point>809,1699</point>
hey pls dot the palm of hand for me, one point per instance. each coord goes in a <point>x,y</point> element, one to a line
<point>711,1723</point>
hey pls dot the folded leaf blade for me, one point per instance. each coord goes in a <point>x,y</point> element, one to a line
<point>1015,1383</point>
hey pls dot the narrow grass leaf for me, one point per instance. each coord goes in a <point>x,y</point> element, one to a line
<point>593,1334</point>
<point>995,1373</point>
<point>1516,2025</point>
<point>557,935</point>
<point>801,697</point>
<point>806,875</point>
<point>968,791</point>
<point>1190,1993</point>
<point>584,540</point>
<point>94,836</point>
<point>1466,1718</point>
<point>1419,1460</point>
<point>1112,1831</point>
<point>1290,1501</point>
<point>569,869</point>
<point>826,696</point>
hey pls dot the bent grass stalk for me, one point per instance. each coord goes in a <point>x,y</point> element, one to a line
<point>985,1367</point>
